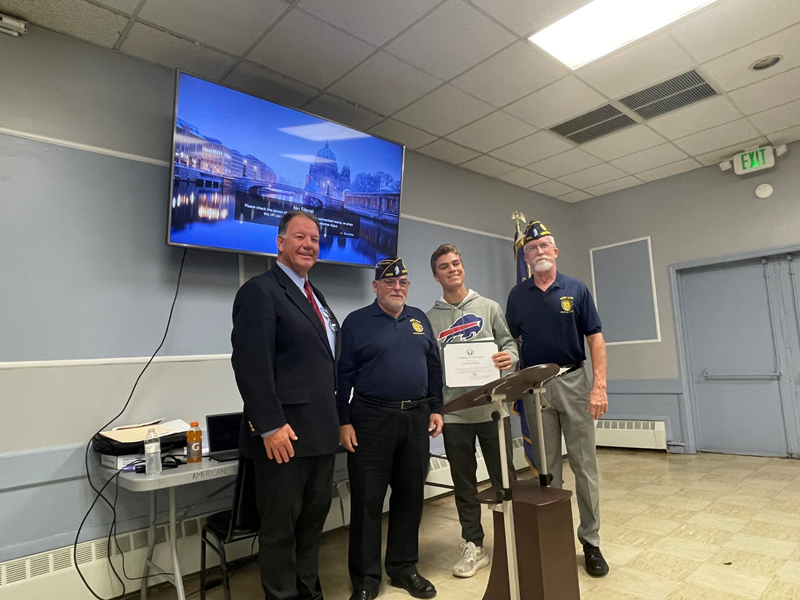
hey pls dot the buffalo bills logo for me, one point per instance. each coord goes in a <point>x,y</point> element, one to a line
<point>466,328</point>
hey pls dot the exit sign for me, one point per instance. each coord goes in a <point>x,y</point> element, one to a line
<point>753,160</point>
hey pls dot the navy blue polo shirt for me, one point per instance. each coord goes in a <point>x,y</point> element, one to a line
<point>388,359</point>
<point>552,323</point>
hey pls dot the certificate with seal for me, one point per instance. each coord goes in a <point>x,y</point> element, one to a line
<point>469,364</point>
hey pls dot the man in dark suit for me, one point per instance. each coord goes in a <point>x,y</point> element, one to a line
<point>284,348</point>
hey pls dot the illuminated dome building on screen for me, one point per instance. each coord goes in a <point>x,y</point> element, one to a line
<point>324,176</point>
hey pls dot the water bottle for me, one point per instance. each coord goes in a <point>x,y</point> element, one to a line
<point>152,453</point>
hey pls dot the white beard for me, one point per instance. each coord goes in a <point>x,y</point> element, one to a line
<point>542,265</point>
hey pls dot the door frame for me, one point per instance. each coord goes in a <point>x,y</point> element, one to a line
<point>687,403</point>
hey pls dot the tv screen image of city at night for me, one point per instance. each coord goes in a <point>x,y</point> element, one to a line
<point>241,163</point>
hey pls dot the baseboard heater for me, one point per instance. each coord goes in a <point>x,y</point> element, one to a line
<point>51,574</point>
<point>624,433</point>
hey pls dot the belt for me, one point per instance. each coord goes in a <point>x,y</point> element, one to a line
<point>401,404</point>
<point>571,368</point>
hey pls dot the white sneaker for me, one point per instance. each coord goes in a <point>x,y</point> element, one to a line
<point>472,558</point>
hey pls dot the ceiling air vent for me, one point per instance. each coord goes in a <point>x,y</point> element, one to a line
<point>669,95</point>
<point>594,124</point>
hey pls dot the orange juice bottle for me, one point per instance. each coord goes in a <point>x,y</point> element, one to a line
<point>194,443</point>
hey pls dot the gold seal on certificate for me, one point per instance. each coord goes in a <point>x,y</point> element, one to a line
<point>469,364</point>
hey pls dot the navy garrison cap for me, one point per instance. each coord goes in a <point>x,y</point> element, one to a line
<point>391,267</point>
<point>535,230</point>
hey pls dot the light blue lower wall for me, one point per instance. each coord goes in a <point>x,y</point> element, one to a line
<point>44,493</point>
<point>649,399</point>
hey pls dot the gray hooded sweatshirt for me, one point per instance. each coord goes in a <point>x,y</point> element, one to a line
<point>475,318</point>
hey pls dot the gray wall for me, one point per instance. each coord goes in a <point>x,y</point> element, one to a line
<point>700,214</point>
<point>86,273</point>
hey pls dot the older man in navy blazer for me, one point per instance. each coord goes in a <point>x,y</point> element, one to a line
<point>284,356</point>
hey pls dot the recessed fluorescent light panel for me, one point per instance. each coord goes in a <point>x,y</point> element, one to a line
<point>602,26</point>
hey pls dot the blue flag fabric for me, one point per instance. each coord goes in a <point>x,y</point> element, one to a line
<point>518,408</point>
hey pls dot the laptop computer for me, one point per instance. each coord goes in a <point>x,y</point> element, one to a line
<point>223,436</point>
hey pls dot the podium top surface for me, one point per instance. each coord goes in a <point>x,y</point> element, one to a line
<point>507,389</point>
<point>528,492</point>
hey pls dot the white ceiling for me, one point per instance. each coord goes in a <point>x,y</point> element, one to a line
<point>457,80</point>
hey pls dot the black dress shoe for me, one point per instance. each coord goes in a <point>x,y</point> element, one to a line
<point>363,594</point>
<point>596,565</point>
<point>415,584</point>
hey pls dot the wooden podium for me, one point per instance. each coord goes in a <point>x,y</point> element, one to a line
<point>534,525</point>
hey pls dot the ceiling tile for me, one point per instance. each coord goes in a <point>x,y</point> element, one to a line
<point>384,84</point>
<point>73,17</point>
<point>309,50</point>
<point>695,117</point>
<point>717,137</point>
<point>126,6</point>
<point>412,137</point>
<point>450,40</point>
<point>516,71</point>
<point>493,131</point>
<point>488,166</point>
<point>786,136</point>
<point>682,166</point>
<point>449,152</point>
<point>526,17</point>
<point>533,148</point>
<point>552,188</point>
<point>575,196</point>
<point>342,112</point>
<point>717,156</point>
<point>564,163</point>
<point>523,178</point>
<point>649,159</point>
<point>557,102</point>
<point>630,140</point>
<point>766,94</point>
<point>725,26</point>
<point>777,119</point>
<point>271,86</point>
<point>732,70</point>
<point>443,111</point>
<point>593,176</point>
<point>614,186</point>
<point>164,48</point>
<point>636,66</point>
<point>231,26</point>
<point>376,21</point>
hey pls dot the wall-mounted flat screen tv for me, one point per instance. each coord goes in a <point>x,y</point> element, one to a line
<point>240,163</point>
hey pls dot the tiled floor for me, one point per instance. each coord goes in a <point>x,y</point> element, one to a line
<point>678,527</point>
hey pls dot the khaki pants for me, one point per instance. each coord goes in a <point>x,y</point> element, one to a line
<point>568,397</point>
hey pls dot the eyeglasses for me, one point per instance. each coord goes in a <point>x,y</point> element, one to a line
<point>391,283</point>
<point>544,247</point>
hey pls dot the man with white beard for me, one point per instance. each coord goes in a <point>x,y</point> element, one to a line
<point>551,314</point>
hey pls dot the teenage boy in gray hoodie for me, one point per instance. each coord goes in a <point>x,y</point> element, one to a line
<point>462,315</point>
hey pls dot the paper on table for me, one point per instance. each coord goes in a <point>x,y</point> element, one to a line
<point>138,434</point>
<point>135,425</point>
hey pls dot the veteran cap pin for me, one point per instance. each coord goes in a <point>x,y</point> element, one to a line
<point>391,267</point>
<point>536,230</point>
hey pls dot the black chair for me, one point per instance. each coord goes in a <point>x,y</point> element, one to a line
<point>239,523</point>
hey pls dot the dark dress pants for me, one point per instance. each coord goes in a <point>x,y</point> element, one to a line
<point>459,444</point>
<point>293,500</point>
<point>393,450</point>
